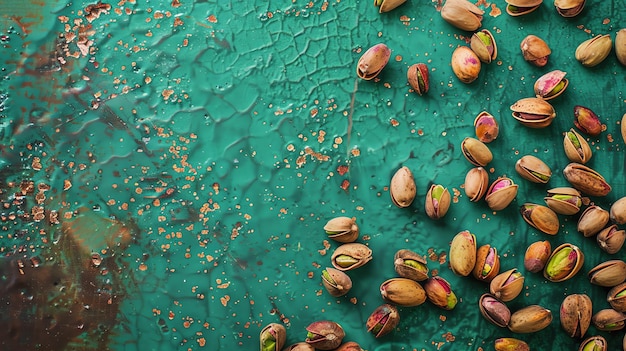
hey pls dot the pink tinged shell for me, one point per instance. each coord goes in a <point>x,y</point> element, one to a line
<point>373,61</point>
<point>587,121</point>
<point>549,81</point>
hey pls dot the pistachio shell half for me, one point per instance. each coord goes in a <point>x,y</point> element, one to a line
<point>564,200</point>
<point>510,344</point>
<point>418,78</point>
<point>439,293</point>
<point>501,193</point>
<point>592,220</point>
<point>402,188</point>
<point>476,183</point>
<point>533,112</point>
<point>383,320</point>
<point>484,45</point>
<point>387,5</point>
<point>537,255</point>
<point>609,320</point>
<point>540,217</point>
<point>521,7</point>
<point>608,274</point>
<point>507,285</point>
<point>611,239</point>
<point>533,169</point>
<point>569,8</point>
<point>351,256</point>
<point>530,319</point>
<point>587,121</point>
<point>575,314</point>
<point>551,85</point>
<point>535,50</point>
<point>618,211</point>
<point>576,147</point>
<point>373,61</point>
<point>342,229</point>
<point>494,310</point>
<point>324,335</point>
<point>616,297</point>
<point>409,264</point>
<point>476,152</point>
<point>465,64</point>
<point>462,14</point>
<point>593,343</point>
<point>402,292</point>
<point>272,337</point>
<point>336,282</point>
<point>564,262</point>
<point>586,180</point>
<point>592,52</point>
<point>462,255</point>
<point>487,263</point>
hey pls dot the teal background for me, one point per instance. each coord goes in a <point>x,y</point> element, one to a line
<point>239,126</point>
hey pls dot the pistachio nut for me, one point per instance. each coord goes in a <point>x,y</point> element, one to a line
<point>486,127</point>
<point>437,201</point>
<point>608,320</point>
<point>592,220</point>
<point>402,188</point>
<point>569,8</point>
<point>476,152</point>
<point>272,337</point>
<point>564,262</point>
<point>521,7</point>
<point>533,169</point>
<point>465,64</point>
<point>439,293</point>
<point>587,121</point>
<point>592,52</point>
<point>586,180</point>
<point>324,335</point>
<point>462,255</point>
<point>620,46</point>
<point>336,282</point>
<point>383,320</point>
<point>507,285</point>
<point>476,183</point>
<point>617,297</point>
<point>537,255</point>
<point>349,346</point>
<point>608,274</point>
<point>418,78</point>
<point>530,319</point>
<point>593,343</point>
<point>487,263</point>
<point>350,256</point>
<point>342,229</point>
<point>501,193</point>
<point>576,147</point>
<point>373,61</point>
<point>494,310</point>
<point>409,264</point>
<point>551,85</point>
<point>462,14</point>
<point>611,239</point>
<point>387,5</point>
<point>540,217</point>
<point>510,344</point>
<point>402,292</point>
<point>533,112</point>
<point>535,50</point>
<point>575,314</point>
<point>301,346</point>
<point>564,200</point>
<point>618,211</point>
<point>623,127</point>
<point>484,46</point>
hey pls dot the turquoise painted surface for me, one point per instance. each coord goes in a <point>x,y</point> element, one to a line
<point>193,151</point>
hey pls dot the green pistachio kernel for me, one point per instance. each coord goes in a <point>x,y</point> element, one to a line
<point>484,37</point>
<point>327,276</point>
<point>437,192</point>
<point>556,89</point>
<point>414,264</point>
<point>560,265</point>
<point>345,261</point>
<point>269,345</point>
<point>378,2</point>
<point>451,300</point>
<point>593,345</point>
<point>574,139</point>
<point>621,293</point>
<point>540,176</point>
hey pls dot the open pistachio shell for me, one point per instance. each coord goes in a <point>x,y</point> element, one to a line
<point>494,310</point>
<point>586,180</point>
<point>350,256</point>
<point>521,7</point>
<point>587,121</point>
<point>551,85</point>
<point>501,193</point>
<point>507,285</point>
<point>618,211</point>
<point>484,45</point>
<point>437,201</point>
<point>476,183</point>
<point>409,264</point>
<point>569,8</point>
<point>592,220</point>
<point>487,263</point>
<point>537,255</point>
<point>486,127</point>
<point>383,320</point>
<point>373,61</point>
<point>439,293</point>
<point>462,14</point>
<point>342,229</point>
<point>402,292</point>
<point>564,262</point>
<point>402,188</point>
<point>324,335</point>
<point>616,297</point>
<point>575,314</point>
<point>510,344</point>
<point>530,319</point>
<point>535,50</point>
<point>388,5</point>
<point>476,152</point>
<point>336,282</point>
<point>564,200</point>
<point>272,337</point>
<point>533,169</point>
<point>300,346</point>
<point>418,78</point>
<point>576,147</point>
<point>594,343</point>
<point>533,112</point>
<point>609,320</point>
<point>349,346</point>
<point>608,274</point>
<point>593,51</point>
<point>462,255</point>
<point>611,239</point>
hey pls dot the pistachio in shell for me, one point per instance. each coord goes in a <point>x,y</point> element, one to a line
<point>533,112</point>
<point>564,262</point>
<point>620,47</point>
<point>350,256</point>
<point>402,292</point>
<point>576,147</point>
<point>342,229</point>
<point>437,201</point>
<point>300,346</point>
<point>501,193</point>
<point>616,297</point>
<point>533,169</point>
<point>418,78</point>
<point>586,180</point>
<point>409,264</point>
<point>383,320</point>
<point>476,183</point>
<point>540,217</point>
<point>387,5</point>
<point>618,211</point>
<point>530,319</point>
<point>487,263</point>
<point>507,285</point>
<point>439,293</point>
<point>569,8</point>
<point>336,282</point>
<point>537,255</point>
<point>402,188</point>
<point>462,14</point>
<point>462,255</point>
<point>593,343</point>
<point>575,314</point>
<point>494,310</point>
<point>592,52</point>
<point>324,335</point>
<point>272,337</point>
<point>484,45</point>
<point>608,274</point>
<point>476,152</point>
<point>608,320</point>
<point>593,219</point>
<point>521,7</point>
<point>349,346</point>
<point>535,50</point>
<point>587,121</point>
<point>564,200</point>
<point>551,85</point>
<point>373,61</point>
<point>465,64</point>
<point>486,127</point>
<point>510,344</point>
<point>611,239</point>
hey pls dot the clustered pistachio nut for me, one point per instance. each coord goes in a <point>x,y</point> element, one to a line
<point>530,319</point>
<point>611,239</point>
<point>569,8</point>
<point>300,346</point>
<point>439,293</point>
<point>465,64</point>
<point>501,193</point>
<point>342,229</point>
<point>593,51</point>
<point>551,85</point>
<point>418,78</point>
<point>349,346</point>
<point>350,256</point>
<point>484,45</point>
<point>437,201</point>
<point>486,127</point>
<point>620,46</point>
<point>494,310</point>
<point>564,200</point>
<point>593,343</point>
<point>476,183</point>
<point>540,217</point>
<point>616,297</point>
<point>507,285</point>
<point>272,337</point>
<point>564,262</point>
<point>533,169</point>
<point>521,7</point>
<point>336,282</point>
<point>587,121</point>
<point>476,152</point>
<point>402,188</point>
<point>576,147</point>
<point>537,255</point>
<point>409,264</point>
<point>402,292</point>
<point>575,314</point>
<point>462,14</point>
<point>609,320</point>
<point>383,320</point>
<point>510,344</point>
<point>535,50</point>
<point>324,335</point>
<point>533,112</point>
<point>487,263</point>
<point>387,5</point>
<point>593,219</point>
<point>618,211</point>
<point>608,274</point>
<point>462,255</point>
<point>586,180</point>
<point>373,61</point>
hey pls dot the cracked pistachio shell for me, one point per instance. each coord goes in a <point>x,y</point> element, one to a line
<point>592,52</point>
<point>608,320</point>
<point>476,152</point>
<point>618,211</point>
<point>551,85</point>
<point>533,169</point>
<point>616,297</point>
<point>587,121</point>
<point>507,285</point>
<point>349,346</point>
<point>342,229</point>
<point>576,147</point>
<point>476,183</point>
<point>465,64</point>
<point>608,274</point>
<point>402,188</point>
<point>383,320</point>
<point>418,78</point>
<point>620,46</point>
<point>611,239</point>
<point>387,5</point>
<point>501,193</point>
<point>486,127</point>
<point>540,217</point>
<point>510,344</point>
<point>537,255</point>
<point>564,200</point>
<point>494,310</point>
<point>439,293</point>
<point>533,112</point>
<point>462,14</point>
<point>351,256</point>
<point>301,346</point>
<point>575,314</point>
<point>324,335</point>
<point>586,180</point>
<point>272,337</point>
<point>336,282</point>
<point>487,263</point>
<point>592,220</point>
<point>593,343</point>
<point>530,319</point>
<point>564,262</point>
<point>484,46</point>
<point>402,292</point>
<point>373,61</point>
<point>462,255</point>
<point>569,8</point>
<point>409,264</point>
<point>437,201</point>
<point>521,7</point>
<point>535,50</point>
